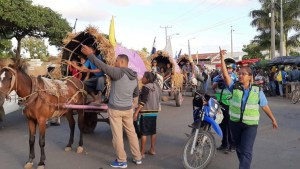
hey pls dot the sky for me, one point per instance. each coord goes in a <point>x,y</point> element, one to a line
<point>206,24</point>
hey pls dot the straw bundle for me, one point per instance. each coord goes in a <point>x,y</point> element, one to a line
<point>57,73</point>
<point>103,44</point>
<point>184,58</point>
<point>177,81</point>
<point>145,59</point>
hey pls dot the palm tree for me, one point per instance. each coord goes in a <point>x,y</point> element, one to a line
<point>291,14</point>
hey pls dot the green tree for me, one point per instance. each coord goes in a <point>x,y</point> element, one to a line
<point>5,48</point>
<point>21,18</point>
<point>294,53</point>
<point>35,46</point>
<point>262,21</point>
<point>252,51</point>
<point>144,49</point>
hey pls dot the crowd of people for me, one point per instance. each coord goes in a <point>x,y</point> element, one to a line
<point>233,87</point>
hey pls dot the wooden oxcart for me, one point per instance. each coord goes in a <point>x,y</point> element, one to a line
<point>190,82</point>
<point>92,115</point>
<point>72,51</point>
<point>90,37</point>
<point>174,85</point>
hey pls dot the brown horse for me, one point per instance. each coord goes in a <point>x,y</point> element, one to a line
<point>40,105</point>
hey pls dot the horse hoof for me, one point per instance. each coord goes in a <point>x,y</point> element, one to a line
<point>79,149</point>
<point>41,167</point>
<point>67,149</point>
<point>28,165</point>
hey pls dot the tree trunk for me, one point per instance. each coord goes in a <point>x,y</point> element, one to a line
<point>18,52</point>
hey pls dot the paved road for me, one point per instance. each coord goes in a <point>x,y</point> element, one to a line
<point>274,149</point>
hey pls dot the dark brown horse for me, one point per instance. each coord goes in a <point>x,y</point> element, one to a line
<point>40,106</point>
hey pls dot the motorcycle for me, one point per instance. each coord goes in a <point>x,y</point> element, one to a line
<point>261,82</point>
<point>200,147</point>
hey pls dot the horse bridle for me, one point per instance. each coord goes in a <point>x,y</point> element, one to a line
<point>13,81</point>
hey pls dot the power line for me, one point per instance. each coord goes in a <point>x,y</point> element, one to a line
<point>178,18</point>
<point>215,25</point>
<point>203,12</point>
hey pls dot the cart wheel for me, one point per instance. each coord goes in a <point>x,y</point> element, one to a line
<point>178,98</point>
<point>90,122</point>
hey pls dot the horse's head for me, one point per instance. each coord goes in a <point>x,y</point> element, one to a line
<point>7,81</point>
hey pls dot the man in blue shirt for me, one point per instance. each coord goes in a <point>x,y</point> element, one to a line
<point>96,83</point>
<point>294,75</point>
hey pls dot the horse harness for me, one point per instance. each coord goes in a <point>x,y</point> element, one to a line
<point>27,100</point>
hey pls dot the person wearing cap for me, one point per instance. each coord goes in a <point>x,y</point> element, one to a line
<point>244,111</point>
<point>223,95</point>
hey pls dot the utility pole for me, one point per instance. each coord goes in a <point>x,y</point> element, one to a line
<point>74,27</point>
<point>166,32</point>
<point>282,47</point>
<point>272,30</point>
<point>189,47</point>
<point>231,42</point>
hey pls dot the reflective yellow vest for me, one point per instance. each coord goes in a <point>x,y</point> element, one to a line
<point>250,115</point>
<point>223,95</point>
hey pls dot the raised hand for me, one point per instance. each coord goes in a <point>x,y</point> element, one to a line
<point>222,53</point>
<point>87,50</point>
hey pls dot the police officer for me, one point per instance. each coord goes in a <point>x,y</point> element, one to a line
<point>244,112</point>
<point>223,95</point>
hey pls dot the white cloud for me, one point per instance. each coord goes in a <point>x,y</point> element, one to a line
<point>215,2</point>
<point>89,11</point>
<point>129,2</point>
<point>230,2</point>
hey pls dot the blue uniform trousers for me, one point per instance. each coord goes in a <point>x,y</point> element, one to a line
<point>243,138</point>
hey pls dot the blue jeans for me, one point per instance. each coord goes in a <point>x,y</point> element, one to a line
<point>280,88</point>
<point>273,88</point>
<point>243,138</point>
<point>95,84</point>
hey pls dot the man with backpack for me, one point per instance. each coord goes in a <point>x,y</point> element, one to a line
<point>223,96</point>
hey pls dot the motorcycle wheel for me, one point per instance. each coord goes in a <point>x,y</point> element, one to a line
<point>203,154</point>
<point>295,96</point>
